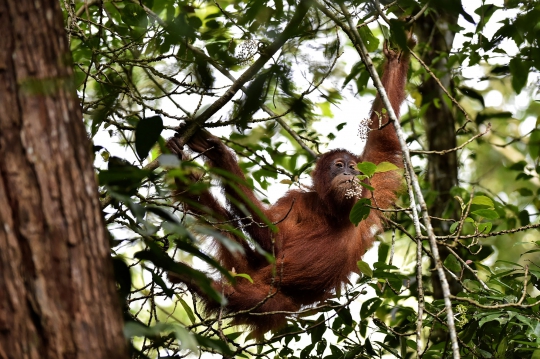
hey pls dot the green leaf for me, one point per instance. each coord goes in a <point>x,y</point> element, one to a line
<point>230,244</point>
<point>370,40</point>
<point>345,315</point>
<point>191,249</point>
<point>385,167</point>
<point>122,177</point>
<point>304,354</point>
<point>364,268</point>
<point>355,70</point>
<point>318,331</point>
<point>136,329</point>
<point>524,192</point>
<point>367,168</point>
<point>243,275</point>
<point>160,259</point>
<point>160,282</point>
<point>369,307</point>
<point>524,217</point>
<point>520,73</point>
<point>473,94</point>
<point>486,213</point>
<point>453,227</point>
<point>483,201</point>
<point>147,134</point>
<point>534,144</point>
<point>360,211</point>
<point>321,345</point>
<point>489,318</point>
<point>398,33</point>
<point>385,32</point>
<point>485,12</point>
<point>518,166</point>
<point>212,24</point>
<point>485,227</point>
<point>452,263</point>
<point>218,345</point>
<point>134,15</point>
<point>482,116</point>
<point>186,338</point>
<point>187,309</point>
<point>365,185</point>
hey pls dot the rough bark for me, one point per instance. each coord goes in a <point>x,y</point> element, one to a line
<point>434,30</point>
<point>57,292</point>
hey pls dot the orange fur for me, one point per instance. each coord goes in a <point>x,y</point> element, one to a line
<point>316,246</point>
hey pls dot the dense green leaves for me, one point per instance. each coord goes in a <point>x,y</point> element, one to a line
<point>142,68</point>
<point>364,268</point>
<point>360,211</point>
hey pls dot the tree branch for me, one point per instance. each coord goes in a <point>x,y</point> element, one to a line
<point>443,88</point>
<point>443,152</point>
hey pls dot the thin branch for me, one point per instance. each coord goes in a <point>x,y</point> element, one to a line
<point>442,87</point>
<point>419,270</point>
<point>443,152</point>
<point>381,12</point>
<point>519,304</point>
<point>514,140</point>
<point>482,283</point>
<point>411,19</point>
<point>418,14</point>
<point>493,234</point>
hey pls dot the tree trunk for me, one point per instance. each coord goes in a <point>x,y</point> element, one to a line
<point>434,30</point>
<point>57,291</point>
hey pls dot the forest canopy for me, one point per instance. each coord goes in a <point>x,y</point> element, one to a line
<point>281,82</point>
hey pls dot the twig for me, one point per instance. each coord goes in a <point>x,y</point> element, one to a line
<point>419,246</point>
<point>442,88</point>
<point>494,234</point>
<point>519,304</point>
<point>443,152</point>
<point>418,14</point>
<point>484,285</point>
<point>381,13</point>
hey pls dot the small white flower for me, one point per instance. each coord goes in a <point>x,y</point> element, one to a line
<point>363,128</point>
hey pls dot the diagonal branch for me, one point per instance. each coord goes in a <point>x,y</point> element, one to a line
<point>443,152</point>
<point>426,67</point>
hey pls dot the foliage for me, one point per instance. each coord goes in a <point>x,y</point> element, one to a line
<point>143,67</point>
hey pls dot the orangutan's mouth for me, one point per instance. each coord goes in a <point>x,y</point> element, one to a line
<point>354,190</point>
<point>353,181</point>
